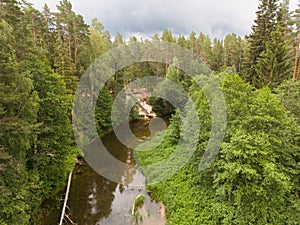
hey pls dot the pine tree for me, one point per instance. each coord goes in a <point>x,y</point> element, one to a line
<point>63,63</point>
<point>79,40</point>
<point>100,39</point>
<point>217,55</point>
<point>205,48</point>
<point>284,19</point>
<point>155,37</point>
<point>193,44</point>
<point>11,12</point>
<point>103,111</point>
<point>265,24</point>
<point>18,97</point>
<point>297,44</point>
<point>233,51</point>
<point>289,94</point>
<point>71,34</point>
<point>167,36</point>
<point>182,41</point>
<point>53,147</point>
<point>273,65</point>
<point>287,25</point>
<point>98,43</point>
<point>118,40</point>
<point>18,131</point>
<point>47,29</point>
<point>33,18</point>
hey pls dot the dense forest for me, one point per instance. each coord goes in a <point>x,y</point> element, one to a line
<point>255,179</point>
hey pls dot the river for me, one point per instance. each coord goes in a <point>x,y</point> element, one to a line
<point>94,200</point>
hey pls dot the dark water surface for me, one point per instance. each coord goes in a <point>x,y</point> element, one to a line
<point>94,200</point>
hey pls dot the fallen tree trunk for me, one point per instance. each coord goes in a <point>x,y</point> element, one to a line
<point>66,199</point>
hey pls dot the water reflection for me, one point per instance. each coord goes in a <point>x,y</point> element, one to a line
<point>94,200</point>
<point>90,196</point>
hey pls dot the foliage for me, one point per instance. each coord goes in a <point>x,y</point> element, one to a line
<point>170,93</point>
<point>103,111</point>
<point>255,178</point>
<point>36,139</point>
<point>265,24</point>
<point>233,51</point>
<point>18,122</point>
<point>139,201</point>
<point>273,66</point>
<point>289,94</point>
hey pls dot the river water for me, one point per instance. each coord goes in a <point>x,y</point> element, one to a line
<point>94,200</point>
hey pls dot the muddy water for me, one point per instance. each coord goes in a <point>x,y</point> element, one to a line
<point>94,200</point>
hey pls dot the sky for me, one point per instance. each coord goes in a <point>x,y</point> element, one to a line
<point>144,18</point>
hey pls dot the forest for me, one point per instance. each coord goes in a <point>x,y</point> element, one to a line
<point>255,178</point>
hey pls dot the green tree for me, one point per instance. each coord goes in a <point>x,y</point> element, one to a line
<point>63,64</point>
<point>193,44</point>
<point>18,133</point>
<point>100,39</point>
<point>71,34</point>
<point>47,26</point>
<point>233,51</point>
<point>217,56</point>
<point>169,90</point>
<point>52,154</point>
<point>118,40</point>
<point>103,111</point>
<point>98,43</point>
<point>155,37</point>
<point>265,24</point>
<point>274,65</point>
<point>256,173</point>
<point>205,48</point>
<point>255,177</point>
<point>182,41</point>
<point>167,36</point>
<point>296,18</point>
<point>289,94</point>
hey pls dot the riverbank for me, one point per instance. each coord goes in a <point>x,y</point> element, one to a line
<point>178,194</point>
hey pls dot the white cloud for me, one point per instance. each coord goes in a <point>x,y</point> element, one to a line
<point>215,18</point>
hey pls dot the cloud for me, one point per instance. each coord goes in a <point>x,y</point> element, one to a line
<point>147,17</point>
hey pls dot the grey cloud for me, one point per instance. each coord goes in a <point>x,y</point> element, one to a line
<point>129,17</point>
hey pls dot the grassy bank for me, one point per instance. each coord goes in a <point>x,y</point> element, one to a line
<point>179,193</point>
